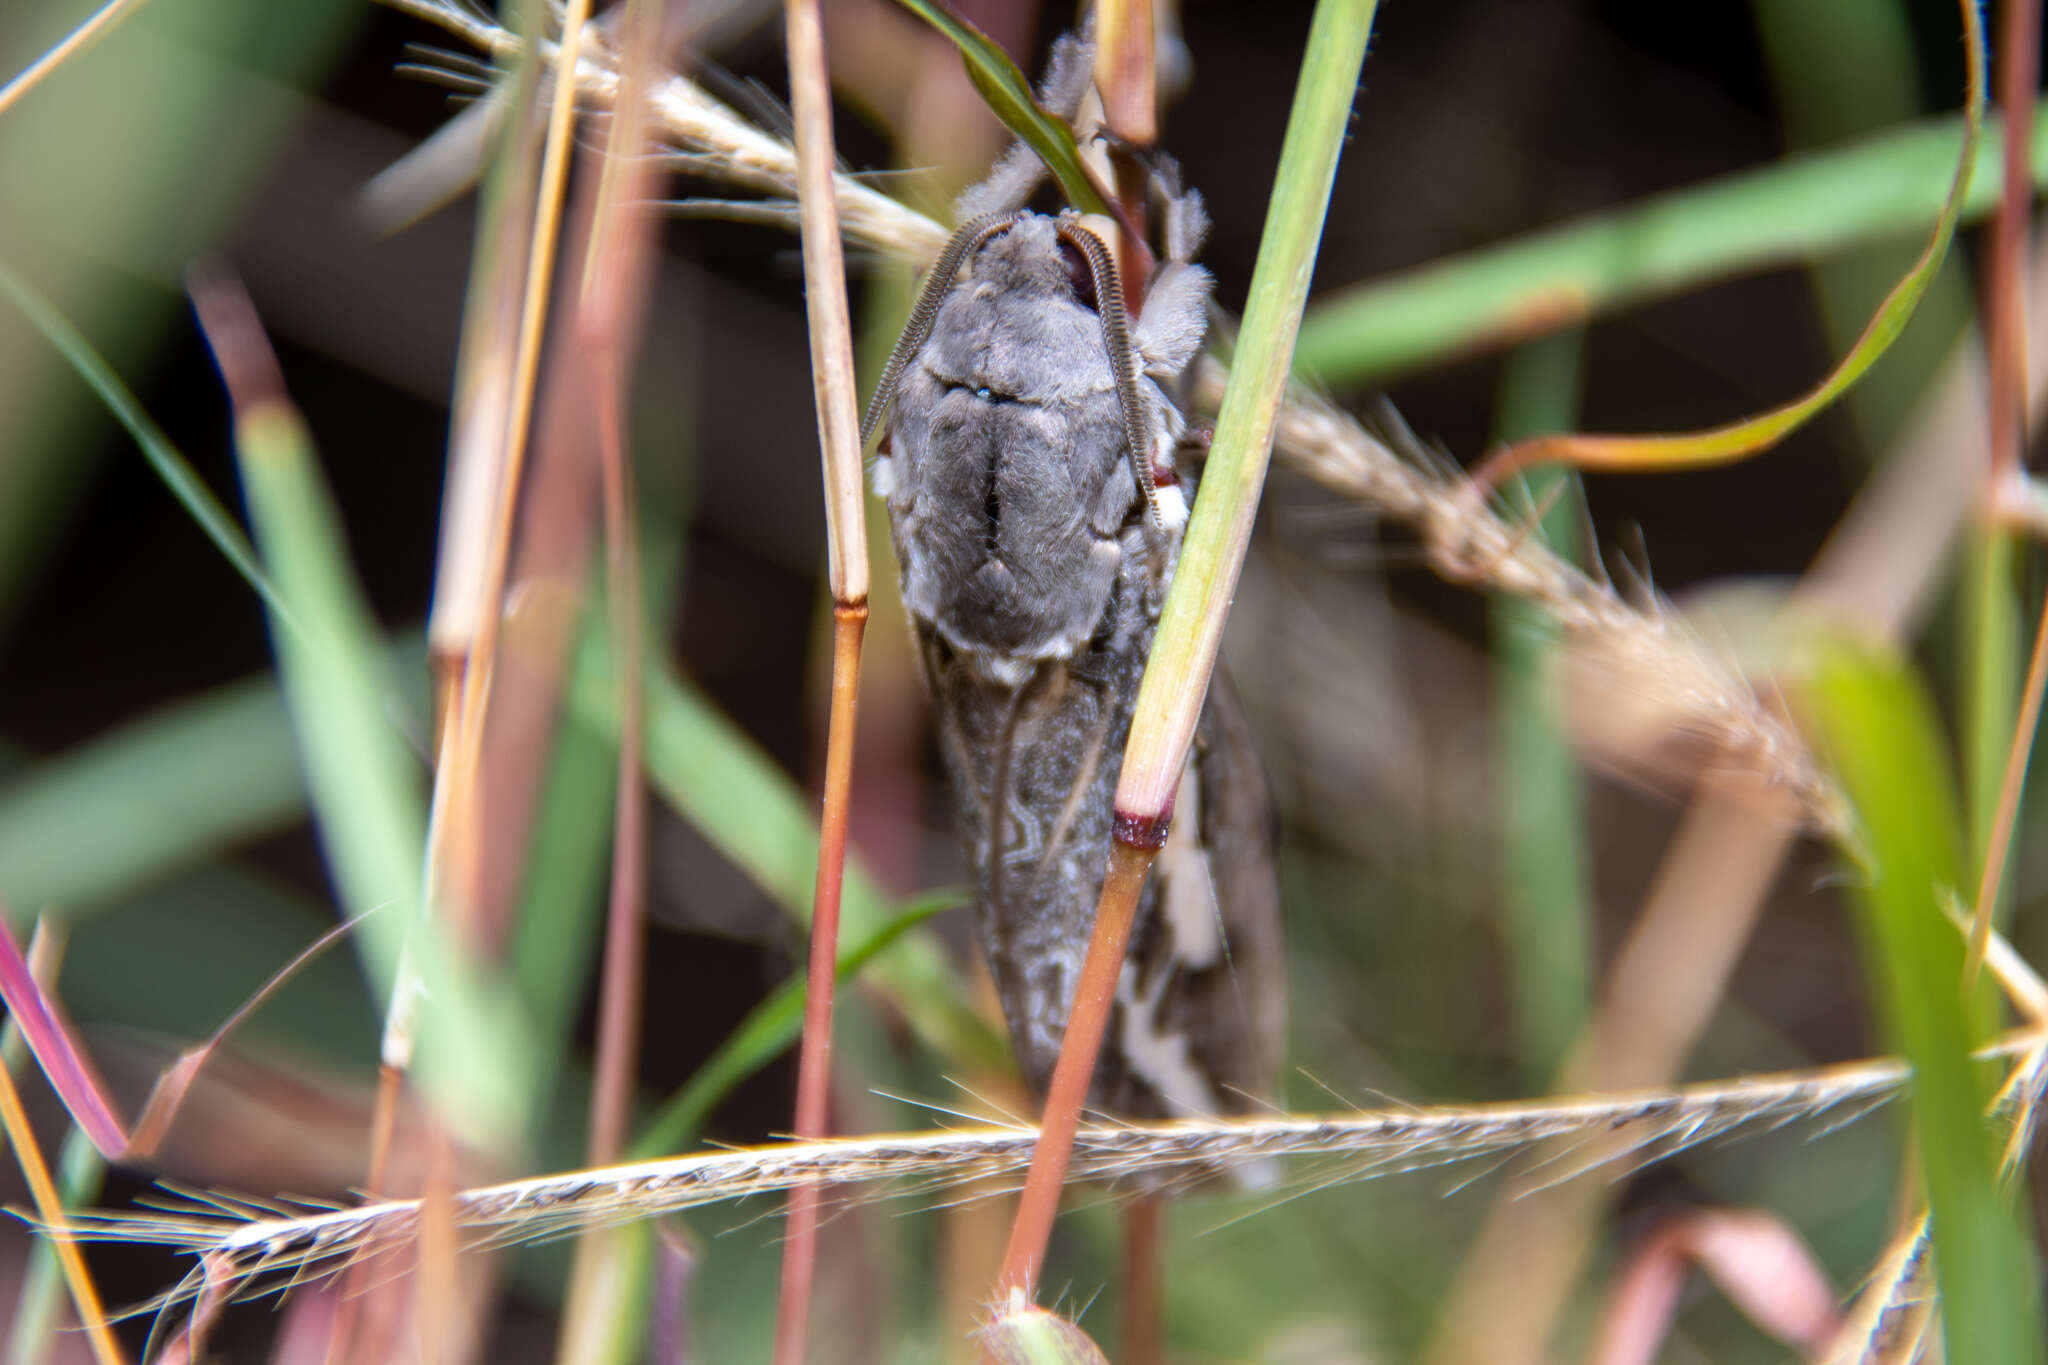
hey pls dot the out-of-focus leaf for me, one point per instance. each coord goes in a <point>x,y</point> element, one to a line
<point>1880,732</point>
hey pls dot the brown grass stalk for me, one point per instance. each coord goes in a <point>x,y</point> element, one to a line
<point>2019,69</point>
<point>832,376</point>
<point>457,854</point>
<point>615,270</point>
<point>1125,49</point>
<point>1144,1276</point>
<point>1067,1095</point>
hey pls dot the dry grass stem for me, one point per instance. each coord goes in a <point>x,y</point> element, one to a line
<point>1890,1317</point>
<point>266,1238</point>
<point>104,20</point>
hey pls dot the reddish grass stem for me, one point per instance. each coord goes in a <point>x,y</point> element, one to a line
<point>1068,1093</point>
<point>814,1066</point>
<point>2005,306</point>
<point>1144,1281</point>
<point>618,1027</point>
<point>832,380</point>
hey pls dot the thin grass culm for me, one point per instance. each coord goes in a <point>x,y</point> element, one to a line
<point>832,376</point>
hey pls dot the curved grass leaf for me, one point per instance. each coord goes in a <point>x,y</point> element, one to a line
<point>1009,99</point>
<point>1736,440</point>
<point>1786,214</point>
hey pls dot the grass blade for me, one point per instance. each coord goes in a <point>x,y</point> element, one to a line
<point>173,468</point>
<point>1882,734</point>
<point>1009,98</point>
<point>1752,435</point>
<point>364,784</point>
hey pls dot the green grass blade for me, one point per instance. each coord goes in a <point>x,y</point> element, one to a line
<point>765,1034</point>
<point>1191,625</point>
<point>1009,98</point>
<point>365,787</point>
<point>170,466</point>
<point>1544,873</point>
<point>1785,214</point>
<point>81,828</point>
<point>719,781</point>
<point>1881,733</point>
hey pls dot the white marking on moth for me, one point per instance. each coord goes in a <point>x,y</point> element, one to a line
<point>1008,670</point>
<point>1187,903</point>
<point>882,476</point>
<point>1173,507</point>
<point>1187,892</point>
<point>1161,1058</point>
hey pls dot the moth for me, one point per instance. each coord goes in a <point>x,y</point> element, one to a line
<point>1036,506</point>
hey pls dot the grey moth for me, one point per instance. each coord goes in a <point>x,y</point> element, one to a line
<point>1036,509</point>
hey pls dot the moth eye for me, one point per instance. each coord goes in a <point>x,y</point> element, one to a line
<point>1080,278</point>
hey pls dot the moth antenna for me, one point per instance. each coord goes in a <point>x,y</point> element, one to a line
<point>936,286</point>
<point>1116,338</point>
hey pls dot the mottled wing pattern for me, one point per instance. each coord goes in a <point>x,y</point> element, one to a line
<point>1199,1014</point>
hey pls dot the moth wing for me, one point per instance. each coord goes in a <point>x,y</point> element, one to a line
<point>1241,833</point>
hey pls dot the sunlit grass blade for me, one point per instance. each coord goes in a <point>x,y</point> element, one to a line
<point>103,21</point>
<point>80,1172</point>
<point>1737,440</point>
<point>1009,98</point>
<point>50,1208</point>
<point>1881,732</point>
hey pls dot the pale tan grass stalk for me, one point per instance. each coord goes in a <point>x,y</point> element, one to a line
<point>259,1238</point>
<point>104,20</point>
<point>1890,1317</point>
